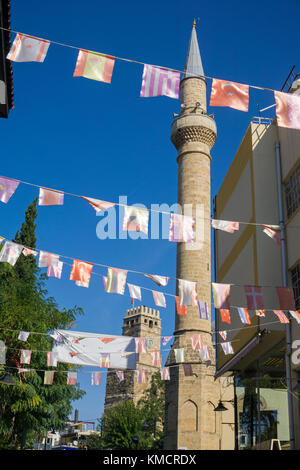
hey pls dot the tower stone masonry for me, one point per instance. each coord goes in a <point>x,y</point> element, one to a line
<point>141,322</point>
<point>190,419</point>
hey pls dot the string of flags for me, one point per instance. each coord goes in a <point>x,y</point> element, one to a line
<point>156,80</point>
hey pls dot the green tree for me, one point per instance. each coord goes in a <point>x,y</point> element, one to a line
<point>30,408</point>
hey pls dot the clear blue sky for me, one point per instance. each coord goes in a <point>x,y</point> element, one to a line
<point>103,141</point>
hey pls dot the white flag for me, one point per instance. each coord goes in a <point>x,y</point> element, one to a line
<point>160,280</point>
<point>48,197</point>
<point>187,292</point>
<point>25,356</point>
<point>23,335</point>
<point>116,280</point>
<point>46,259</point>
<point>28,49</point>
<point>225,225</point>
<point>11,252</point>
<point>134,291</point>
<point>159,298</point>
<point>135,219</point>
<point>179,355</point>
<point>55,269</point>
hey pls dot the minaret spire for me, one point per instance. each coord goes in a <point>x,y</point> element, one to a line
<point>193,63</point>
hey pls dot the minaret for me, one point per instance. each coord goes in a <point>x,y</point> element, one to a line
<point>190,420</point>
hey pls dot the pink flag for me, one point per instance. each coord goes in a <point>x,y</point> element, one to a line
<point>254,297</point>
<point>223,334</point>
<point>120,375</point>
<point>10,252</point>
<point>286,298</point>
<point>159,298</point>
<point>196,342</point>
<point>166,339</point>
<point>287,110</point>
<point>281,316</point>
<point>46,259</point>
<point>28,251</point>
<point>140,376</point>
<point>28,49</point>
<point>55,269</point>
<point>158,81</point>
<point>221,295</point>
<point>156,358</point>
<point>96,378</point>
<point>187,292</point>
<point>204,353</point>
<point>227,348</point>
<point>225,225</point>
<point>25,356</point>
<point>47,197</point>
<point>98,205</point>
<point>159,280</point>
<point>273,232</point>
<point>7,188</point>
<point>181,228</point>
<point>51,359</point>
<point>165,373</point>
<point>140,345</point>
<point>72,378</point>
<point>231,94</point>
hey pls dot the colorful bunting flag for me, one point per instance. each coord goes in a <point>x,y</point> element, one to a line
<point>82,284</point>
<point>28,49</point>
<point>295,314</point>
<point>165,373</point>
<point>196,342</point>
<point>225,225</point>
<point>231,94</point>
<point>157,81</point>
<point>49,197</point>
<point>140,376</point>
<point>287,110</point>
<point>46,259</point>
<point>179,354</point>
<point>273,232</point>
<point>223,334</point>
<point>105,360</point>
<point>281,316</point>
<point>204,353</point>
<point>25,356</point>
<point>81,271</point>
<point>135,219</point>
<point>51,359</point>
<point>156,358</point>
<point>159,280</point>
<point>134,291</point>
<point>120,375</point>
<point>71,378</point>
<point>96,378</point>
<point>286,298</point>
<point>10,252</point>
<point>180,309</point>
<point>225,315</point>
<point>181,228</point>
<point>7,188</point>
<point>99,205</point>
<point>244,315</point>
<point>188,371</point>
<point>94,66</point>
<point>254,298</point>
<point>28,251</point>
<point>55,269</point>
<point>221,295</point>
<point>23,335</point>
<point>159,298</point>
<point>187,291</point>
<point>140,345</point>
<point>260,313</point>
<point>166,339</point>
<point>48,377</point>
<point>227,348</point>
<point>116,280</point>
<point>203,310</point>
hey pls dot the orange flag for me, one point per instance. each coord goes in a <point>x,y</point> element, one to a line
<point>81,271</point>
<point>181,309</point>
<point>231,94</point>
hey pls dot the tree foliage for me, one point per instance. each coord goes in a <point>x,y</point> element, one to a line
<point>136,426</point>
<point>30,407</point>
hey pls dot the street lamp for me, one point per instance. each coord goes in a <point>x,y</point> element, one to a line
<point>220,407</point>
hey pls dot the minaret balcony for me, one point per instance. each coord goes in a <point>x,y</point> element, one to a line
<point>197,129</point>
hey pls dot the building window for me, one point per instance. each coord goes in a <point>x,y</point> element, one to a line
<point>295,273</point>
<point>292,192</point>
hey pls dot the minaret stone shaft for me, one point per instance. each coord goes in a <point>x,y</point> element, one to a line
<point>190,418</point>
